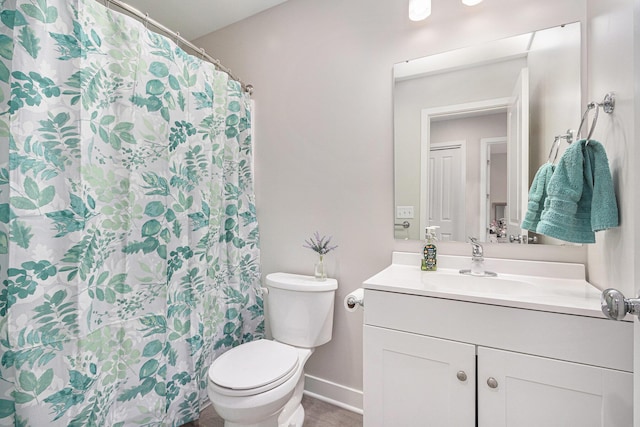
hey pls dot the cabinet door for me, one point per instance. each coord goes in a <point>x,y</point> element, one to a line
<point>412,380</point>
<point>532,391</point>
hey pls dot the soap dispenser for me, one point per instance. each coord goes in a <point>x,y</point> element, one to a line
<point>430,252</point>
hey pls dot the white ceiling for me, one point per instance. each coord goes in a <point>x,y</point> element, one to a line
<point>195,18</point>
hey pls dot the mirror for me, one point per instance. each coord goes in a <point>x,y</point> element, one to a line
<point>471,128</point>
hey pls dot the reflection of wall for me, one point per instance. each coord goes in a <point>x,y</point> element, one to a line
<point>498,181</point>
<point>471,129</point>
<point>324,134</point>
<point>554,106</point>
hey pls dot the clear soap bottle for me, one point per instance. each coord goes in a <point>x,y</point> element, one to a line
<point>430,251</point>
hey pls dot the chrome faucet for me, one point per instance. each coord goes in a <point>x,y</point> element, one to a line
<point>477,260</point>
<point>477,252</point>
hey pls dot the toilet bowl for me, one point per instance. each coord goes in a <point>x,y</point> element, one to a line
<point>260,383</point>
<point>252,386</point>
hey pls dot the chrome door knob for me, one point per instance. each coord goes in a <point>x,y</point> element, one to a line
<point>615,306</point>
<point>462,376</point>
<point>492,382</point>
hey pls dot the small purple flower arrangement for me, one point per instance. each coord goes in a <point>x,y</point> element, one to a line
<point>321,245</point>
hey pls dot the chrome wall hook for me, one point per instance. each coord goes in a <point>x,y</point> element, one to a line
<point>609,103</point>
<point>608,106</point>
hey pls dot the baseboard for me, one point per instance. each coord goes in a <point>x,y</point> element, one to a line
<point>333,393</point>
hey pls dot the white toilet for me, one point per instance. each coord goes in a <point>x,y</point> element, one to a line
<point>260,383</point>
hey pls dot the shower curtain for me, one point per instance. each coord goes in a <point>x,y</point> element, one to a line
<point>128,236</point>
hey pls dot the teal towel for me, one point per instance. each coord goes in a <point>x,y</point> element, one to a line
<point>581,199</point>
<point>537,196</point>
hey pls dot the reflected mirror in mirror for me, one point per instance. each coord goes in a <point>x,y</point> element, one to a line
<point>473,125</point>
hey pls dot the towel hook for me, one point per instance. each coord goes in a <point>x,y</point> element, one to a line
<point>608,105</point>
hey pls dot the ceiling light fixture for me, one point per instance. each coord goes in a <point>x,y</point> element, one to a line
<point>471,2</point>
<point>419,9</point>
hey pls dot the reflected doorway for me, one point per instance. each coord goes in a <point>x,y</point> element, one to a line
<point>493,182</point>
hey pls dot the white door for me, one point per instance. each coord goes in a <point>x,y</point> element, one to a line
<point>518,390</point>
<point>417,381</point>
<point>446,195</point>
<point>518,154</point>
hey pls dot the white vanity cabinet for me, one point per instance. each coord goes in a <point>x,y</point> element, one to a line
<point>527,391</point>
<point>437,360</point>
<point>415,380</point>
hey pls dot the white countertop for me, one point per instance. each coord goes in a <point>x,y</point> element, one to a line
<point>541,286</point>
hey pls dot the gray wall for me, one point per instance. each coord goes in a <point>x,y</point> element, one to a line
<point>324,131</point>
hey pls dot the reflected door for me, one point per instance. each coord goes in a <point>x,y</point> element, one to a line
<point>446,207</point>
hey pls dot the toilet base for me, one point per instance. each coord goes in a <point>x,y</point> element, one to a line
<point>293,413</point>
<point>272,422</point>
<point>295,420</point>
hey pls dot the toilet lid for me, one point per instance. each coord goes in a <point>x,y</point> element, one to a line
<point>261,364</point>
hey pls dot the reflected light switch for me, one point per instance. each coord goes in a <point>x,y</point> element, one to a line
<point>405,212</point>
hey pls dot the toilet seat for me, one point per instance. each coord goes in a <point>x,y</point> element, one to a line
<point>253,368</point>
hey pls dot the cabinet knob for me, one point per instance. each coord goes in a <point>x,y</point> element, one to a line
<point>462,376</point>
<point>492,382</point>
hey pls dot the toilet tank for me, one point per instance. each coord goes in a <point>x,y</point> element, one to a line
<point>300,309</point>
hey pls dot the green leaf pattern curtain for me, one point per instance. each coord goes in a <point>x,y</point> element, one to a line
<point>128,236</point>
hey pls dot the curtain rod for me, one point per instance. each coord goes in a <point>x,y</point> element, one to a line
<point>175,34</point>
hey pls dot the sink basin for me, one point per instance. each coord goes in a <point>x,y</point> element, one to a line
<point>447,282</point>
